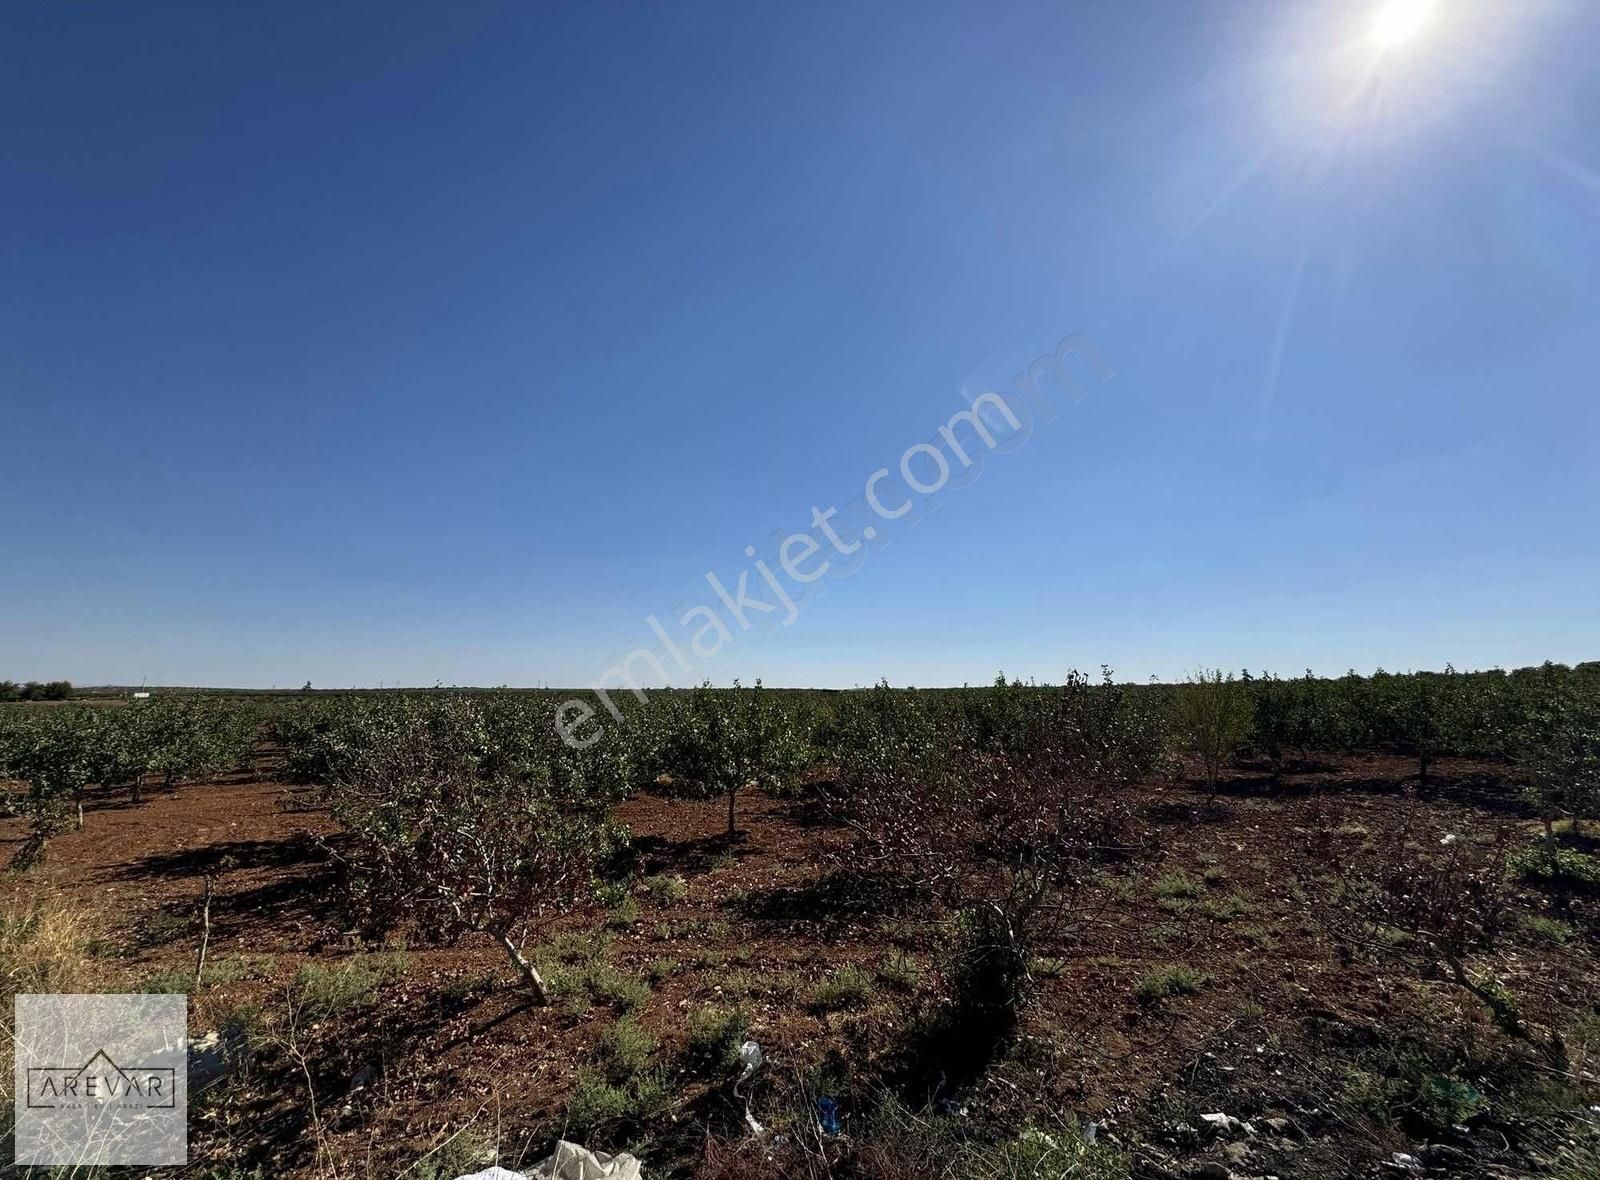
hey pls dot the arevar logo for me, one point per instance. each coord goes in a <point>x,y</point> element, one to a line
<point>101,1081</point>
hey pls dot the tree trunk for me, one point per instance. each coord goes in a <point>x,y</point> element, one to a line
<point>732,794</point>
<point>205,932</point>
<point>30,854</point>
<point>138,789</point>
<point>530,973</point>
<point>1504,1014</point>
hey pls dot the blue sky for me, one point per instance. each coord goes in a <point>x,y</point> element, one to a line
<point>403,343</point>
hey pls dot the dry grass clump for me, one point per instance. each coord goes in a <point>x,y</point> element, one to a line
<point>44,945</point>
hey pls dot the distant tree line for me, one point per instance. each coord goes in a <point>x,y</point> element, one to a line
<point>33,690</point>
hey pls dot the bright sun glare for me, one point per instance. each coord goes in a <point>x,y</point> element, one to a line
<point>1399,21</point>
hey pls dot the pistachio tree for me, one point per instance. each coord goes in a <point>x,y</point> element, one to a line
<point>722,740</point>
<point>56,755</point>
<point>440,837</point>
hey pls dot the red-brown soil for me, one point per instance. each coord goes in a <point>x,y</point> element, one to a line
<point>449,1041</point>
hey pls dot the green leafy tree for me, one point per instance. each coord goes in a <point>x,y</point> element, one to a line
<point>1272,714</point>
<point>1558,756</point>
<point>56,755</point>
<point>885,734</point>
<point>120,757</point>
<point>1427,715</point>
<point>1212,714</point>
<point>723,740</point>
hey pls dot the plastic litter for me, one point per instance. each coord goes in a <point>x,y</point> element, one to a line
<point>828,1116</point>
<point>751,1057</point>
<point>570,1162</point>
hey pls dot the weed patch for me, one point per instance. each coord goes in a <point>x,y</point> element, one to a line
<point>665,890</point>
<point>848,987</point>
<point>1176,884</point>
<point>1565,867</point>
<point>714,1037</point>
<point>1174,980</point>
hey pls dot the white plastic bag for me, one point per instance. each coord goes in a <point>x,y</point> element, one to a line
<point>571,1162</point>
<point>751,1057</point>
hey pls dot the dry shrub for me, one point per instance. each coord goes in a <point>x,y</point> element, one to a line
<point>1423,894</point>
<point>1001,843</point>
<point>439,838</point>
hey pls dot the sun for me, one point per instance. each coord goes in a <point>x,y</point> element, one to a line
<point>1399,21</point>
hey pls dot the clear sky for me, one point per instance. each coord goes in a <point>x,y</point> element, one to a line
<point>400,343</point>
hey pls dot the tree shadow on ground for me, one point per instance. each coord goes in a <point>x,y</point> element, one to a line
<point>839,897</point>
<point>813,810</point>
<point>947,1049</point>
<point>690,857</point>
<point>1188,811</point>
<point>228,855</point>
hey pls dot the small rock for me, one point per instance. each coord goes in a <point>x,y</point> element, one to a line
<point>1145,1168</point>
<point>1226,1124</point>
<point>1277,1126</point>
<point>1236,1152</point>
<point>1442,1155</point>
<point>1181,1134</point>
<point>1310,1116</point>
<point>1210,1170</point>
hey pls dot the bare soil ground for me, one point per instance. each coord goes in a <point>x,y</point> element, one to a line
<point>1282,1027</point>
